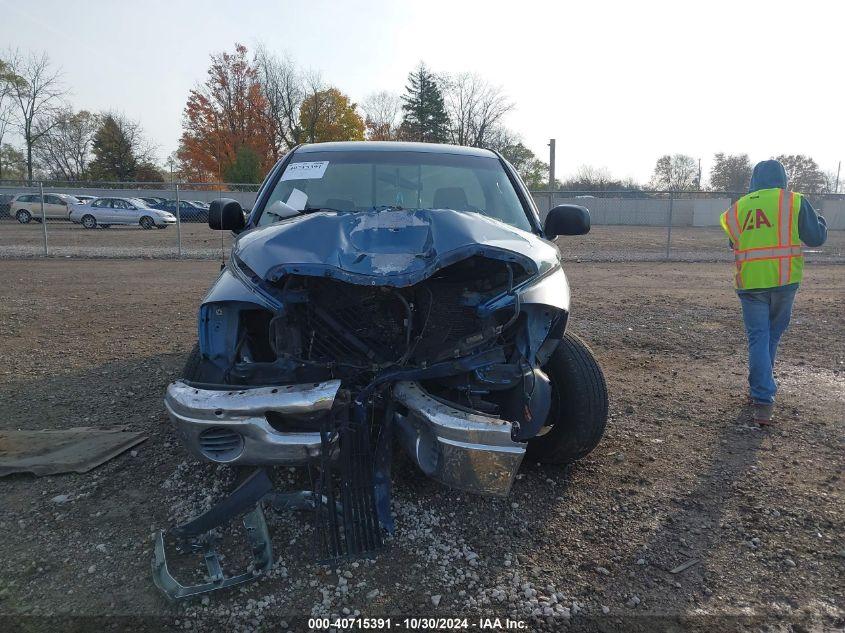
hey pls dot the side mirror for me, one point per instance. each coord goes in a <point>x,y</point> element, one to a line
<point>567,219</point>
<point>226,214</point>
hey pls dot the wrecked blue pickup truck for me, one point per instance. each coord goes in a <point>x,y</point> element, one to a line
<point>378,294</point>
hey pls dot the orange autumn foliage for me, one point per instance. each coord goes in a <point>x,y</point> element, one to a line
<point>222,115</point>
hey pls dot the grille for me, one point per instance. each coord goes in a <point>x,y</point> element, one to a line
<point>220,444</point>
<point>361,325</point>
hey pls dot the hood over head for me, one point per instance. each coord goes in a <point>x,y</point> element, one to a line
<point>768,174</point>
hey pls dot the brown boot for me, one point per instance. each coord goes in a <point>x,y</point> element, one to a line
<point>763,413</point>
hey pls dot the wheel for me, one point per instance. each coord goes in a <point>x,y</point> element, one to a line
<point>24,216</point>
<point>578,414</point>
<point>89,221</point>
<point>192,364</point>
<point>147,222</point>
<point>199,370</point>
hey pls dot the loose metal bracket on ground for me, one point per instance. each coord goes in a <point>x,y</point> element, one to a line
<point>193,537</point>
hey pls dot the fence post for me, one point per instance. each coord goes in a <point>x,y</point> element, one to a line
<point>178,225</point>
<point>669,223</point>
<point>43,219</point>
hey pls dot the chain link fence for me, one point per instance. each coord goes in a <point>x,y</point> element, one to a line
<point>635,225</point>
<point>39,219</point>
<point>115,220</point>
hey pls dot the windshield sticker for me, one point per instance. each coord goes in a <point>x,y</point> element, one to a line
<point>297,199</point>
<point>305,171</point>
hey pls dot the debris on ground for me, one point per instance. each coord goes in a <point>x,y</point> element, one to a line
<point>52,452</point>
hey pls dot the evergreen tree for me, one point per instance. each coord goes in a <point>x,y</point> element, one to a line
<point>425,117</point>
<point>246,168</point>
<point>114,153</point>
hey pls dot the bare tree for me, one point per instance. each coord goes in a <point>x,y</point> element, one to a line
<point>730,172</point>
<point>594,177</point>
<point>285,88</point>
<point>317,98</point>
<point>831,182</point>
<point>803,172</point>
<point>5,108</point>
<point>382,116</point>
<point>677,172</point>
<point>500,137</point>
<point>590,178</point>
<point>475,107</point>
<point>36,92</point>
<point>64,150</point>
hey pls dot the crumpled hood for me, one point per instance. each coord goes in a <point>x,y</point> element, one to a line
<point>395,247</point>
<point>768,174</point>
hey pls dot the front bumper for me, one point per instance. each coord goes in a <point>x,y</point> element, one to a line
<point>469,451</point>
<point>232,426</point>
<point>461,449</point>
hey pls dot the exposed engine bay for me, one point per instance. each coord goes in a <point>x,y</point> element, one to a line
<point>331,329</point>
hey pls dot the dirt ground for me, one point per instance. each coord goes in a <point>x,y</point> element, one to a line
<point>603,243</point>
<point>680,475</point>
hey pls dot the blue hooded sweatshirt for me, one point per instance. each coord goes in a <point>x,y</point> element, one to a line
<point>812,228</point>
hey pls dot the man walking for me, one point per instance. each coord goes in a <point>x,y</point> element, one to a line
<point>766,228</point>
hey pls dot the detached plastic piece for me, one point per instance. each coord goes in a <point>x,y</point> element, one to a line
<point>194,537</point>
<point>262,560</point>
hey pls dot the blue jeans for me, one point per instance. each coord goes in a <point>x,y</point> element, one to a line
<point>766,314</point>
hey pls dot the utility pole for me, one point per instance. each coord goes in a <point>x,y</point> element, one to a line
<point>699,173</point>
<point>838,169</point>
<point>551,173</point>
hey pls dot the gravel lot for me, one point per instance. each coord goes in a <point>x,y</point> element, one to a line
<point>679,476</point>
<point>603,243</point>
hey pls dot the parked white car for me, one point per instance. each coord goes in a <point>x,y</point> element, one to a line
<point>27,206</point>
<point>104,212</point>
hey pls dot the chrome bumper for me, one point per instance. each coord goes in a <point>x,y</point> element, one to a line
<point>464,450</point>
<point>232,427</point>
<point>469,451</point>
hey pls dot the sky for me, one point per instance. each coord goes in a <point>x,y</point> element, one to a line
<point>617,84</point>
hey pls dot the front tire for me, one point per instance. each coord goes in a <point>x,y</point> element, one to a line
<point>24,216</point>
<point>89,221</point>
<point>191,371</point>
<point>578,415</point>
<point>199,369</point>
<point>147,223</point>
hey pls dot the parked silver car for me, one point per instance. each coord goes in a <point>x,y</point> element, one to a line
<point>104,212</point>
<point>27,206</point>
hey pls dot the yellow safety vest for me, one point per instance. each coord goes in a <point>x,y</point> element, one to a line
<point>763,227</point>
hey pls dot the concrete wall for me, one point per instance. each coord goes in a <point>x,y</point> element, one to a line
<point>834,212</point>
<point>655,211</point>
<point>642,211</point>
